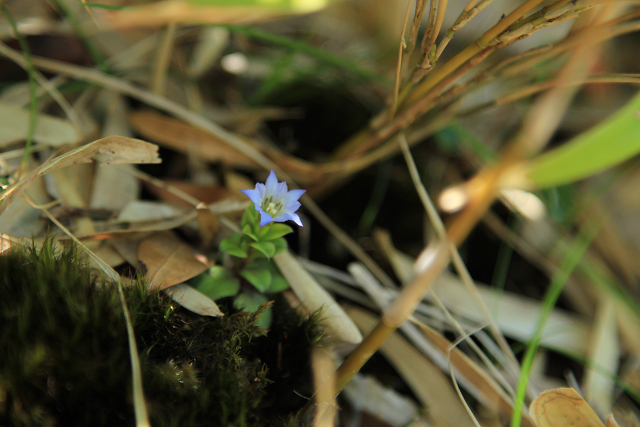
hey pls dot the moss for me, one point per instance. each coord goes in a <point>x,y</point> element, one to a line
<point>65,361</point>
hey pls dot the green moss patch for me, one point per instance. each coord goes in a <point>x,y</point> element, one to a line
<point>65,360</point>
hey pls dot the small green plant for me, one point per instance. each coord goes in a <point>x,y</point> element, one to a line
<point>251,250</point>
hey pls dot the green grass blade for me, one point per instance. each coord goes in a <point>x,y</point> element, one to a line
<point>139,404</point>
<point>33,96</point>
<point>607,144</point>
<point>570,261</point>
<point>87,41</point>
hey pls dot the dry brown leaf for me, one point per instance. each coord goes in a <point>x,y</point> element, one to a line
<point>147,210</point>
<point>184,138</point>
<point>71,185</point>
<point>21,219</point>
<point>113,188</point>
<point>167,260</point>
<point>127,248</point>
<point>178,135</point>
<point>50,130</point>
<point>208,224</point>
<point>426,380</point>
<point>562,407</point>
<point>204,193</point>
<point>193,300</point>
<point>14,190</point>
<point>175,11</point>
<point>611,422</point>
<point>109,150</point>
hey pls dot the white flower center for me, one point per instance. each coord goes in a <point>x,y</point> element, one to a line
<point>271,208</point>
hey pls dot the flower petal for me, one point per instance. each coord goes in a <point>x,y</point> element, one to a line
<point>271,184</point>
<point>293,196</point>
<point>254,195</point>
<point>265,218</point>
<point>289,216</point>
<point>281,190</point>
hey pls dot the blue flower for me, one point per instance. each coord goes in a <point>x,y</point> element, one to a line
<point>274,202</point>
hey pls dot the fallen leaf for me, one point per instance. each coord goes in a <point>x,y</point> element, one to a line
<point>185,138</point>
<point>366,393</point>
<point>604,352</point>
<point>109,150</point>
<point>425,379</point>
<point>193,300</point>
<point>147,210</point>
<point>50,130</point>
<point>167,260</point>
<point>175,11</point>
<point>562,407</point>
<point>203,193</point>
<point>113,188</point>
<point>315,297</point>
<point>208,224</point>
<point>495,397</point>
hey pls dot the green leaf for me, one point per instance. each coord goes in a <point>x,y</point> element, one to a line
<point>257,272</point>
<point>607,144</point>
<point>280,244</point>
<point>267,248</point>
<point>235,245</point>
<point>247,230</point>
<point>251,218</point>
<point>250,301</point>
<point>218,283</point>
<point>278,282</point>
<point>273,231</point>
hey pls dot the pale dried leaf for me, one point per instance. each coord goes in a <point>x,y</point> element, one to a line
<point>516,315</point>
<point>109,150</point>
<point>603,352</point>
<point>314,297</point>
<point>494,396</point>
<point>71,185</point>
<point>146,210</point>
<point>20,219</point>
<point>107,253</point>
<point>113,188</point>
<point>193,300</point>
<point>50,130</point>
<point>175,11</point>
<point>208,224</point>
<point>167,260</point>
<point>368,394</point>
<point>562,407</point>
<point>324,380</point>
<point>426,380</point>
<point>208,49</point>
<point>128,248</point>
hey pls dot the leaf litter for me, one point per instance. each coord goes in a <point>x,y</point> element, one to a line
<point>142,233</point>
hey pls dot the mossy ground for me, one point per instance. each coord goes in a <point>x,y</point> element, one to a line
<point>65,358</point>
